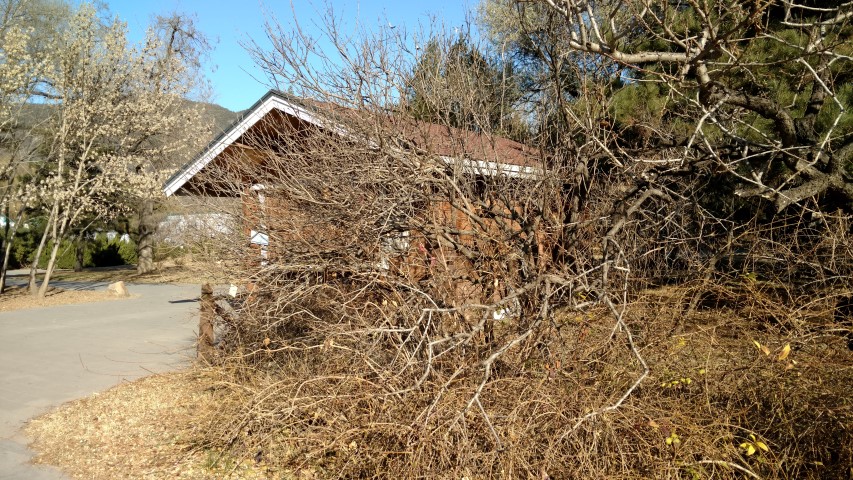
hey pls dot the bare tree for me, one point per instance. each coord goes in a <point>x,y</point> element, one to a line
<point>759,87</point>
<point>427,263</point>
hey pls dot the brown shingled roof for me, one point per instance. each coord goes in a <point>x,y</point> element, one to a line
<point>438,139</point>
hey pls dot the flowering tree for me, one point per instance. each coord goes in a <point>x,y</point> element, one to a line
<point>116,109</point>
<point>24,25</point>
<point>179,42</point>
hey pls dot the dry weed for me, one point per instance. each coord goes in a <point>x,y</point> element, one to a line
<point>728,397</point>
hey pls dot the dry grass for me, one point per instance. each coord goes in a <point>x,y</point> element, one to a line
<point>18,298</point>
<point>168,271</point>
<point>300,411</point>
<point>136,430</point>
<point>185,271</point>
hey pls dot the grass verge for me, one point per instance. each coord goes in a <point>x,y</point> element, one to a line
<point>19,298</point>
<point>136,430</point>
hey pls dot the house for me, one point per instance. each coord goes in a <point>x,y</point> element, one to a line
<point>235,164</point>
<point>488,155</point>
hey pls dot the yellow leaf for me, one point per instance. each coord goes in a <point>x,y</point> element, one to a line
<point>702,371</point>
<point>758,345</point>
<point>669,440</point>
<point>762,446</point>
<point>765,350</point>
<point>750,449</point>
<point>786,350</point>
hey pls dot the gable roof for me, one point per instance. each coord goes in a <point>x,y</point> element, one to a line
<point>508,157</point>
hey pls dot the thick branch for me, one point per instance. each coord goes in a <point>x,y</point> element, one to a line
<point>715,92</point>
<point>819,182</point>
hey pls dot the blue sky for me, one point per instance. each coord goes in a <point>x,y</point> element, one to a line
<point>228,23</point>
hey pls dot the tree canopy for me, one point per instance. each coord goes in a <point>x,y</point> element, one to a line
<point>760,90</point>
<point>459,85</point>
<point>118,112</point>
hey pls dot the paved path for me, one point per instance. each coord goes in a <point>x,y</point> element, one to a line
<point>49,356</point>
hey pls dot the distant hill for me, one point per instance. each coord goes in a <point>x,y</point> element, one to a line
<point>220,117</point>
<point>33,114</point>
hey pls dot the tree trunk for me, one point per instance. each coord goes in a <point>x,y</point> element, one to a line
<point>4,246</point>
<point>57,234</point>
<point>204,349</point>
<point>79,252</point>
<point>50,266</point>
<point>31,285</point>
<point>7,243</point>
<point>10,237</point>
<point>145,242</point>
<point>5,264</point>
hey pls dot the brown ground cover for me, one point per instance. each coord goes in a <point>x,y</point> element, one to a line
<point>167,272</point>
<point>739,388</point>
<point>136,430</point>
<point>18,298</point>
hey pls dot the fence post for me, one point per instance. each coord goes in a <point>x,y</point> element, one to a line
<point>205,323</point>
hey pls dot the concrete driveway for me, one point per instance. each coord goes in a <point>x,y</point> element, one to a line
<point>49,356</point>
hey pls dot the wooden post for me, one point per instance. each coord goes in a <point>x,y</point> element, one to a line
<point>205,323</point>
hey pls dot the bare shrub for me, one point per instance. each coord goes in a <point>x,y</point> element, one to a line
<point>433,300</point>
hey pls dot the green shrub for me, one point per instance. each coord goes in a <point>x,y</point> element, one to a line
<point>64,257</point>
<point>109,253</point>
<point>127,252</point>
<point>23,246</point>
<point>98,252</point>
<point>105,253</point>
<point>25,242</point>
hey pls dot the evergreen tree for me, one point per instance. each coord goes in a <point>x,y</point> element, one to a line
<point>456,84</point>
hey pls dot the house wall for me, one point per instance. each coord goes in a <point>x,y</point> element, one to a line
<point>449,276</point>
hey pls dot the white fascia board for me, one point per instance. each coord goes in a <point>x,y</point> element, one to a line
<point>486,168</point>
<point>253,117</point>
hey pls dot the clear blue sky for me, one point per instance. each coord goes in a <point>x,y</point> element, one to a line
<point>228,23</point>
